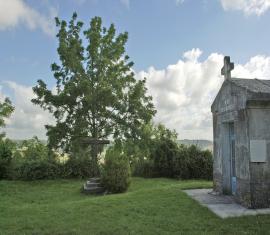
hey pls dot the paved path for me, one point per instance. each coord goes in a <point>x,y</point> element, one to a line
<point>222,205</point>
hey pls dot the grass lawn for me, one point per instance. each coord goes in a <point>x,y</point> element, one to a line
<point>151,206</point>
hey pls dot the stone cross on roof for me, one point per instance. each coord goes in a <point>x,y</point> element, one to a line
<point>227,68</point>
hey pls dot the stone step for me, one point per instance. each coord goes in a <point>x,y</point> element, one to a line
<point>90,184</point>
<point>94,180</point>
<point>93,190</point>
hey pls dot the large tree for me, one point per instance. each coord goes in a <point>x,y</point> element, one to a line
<point>96,94</point>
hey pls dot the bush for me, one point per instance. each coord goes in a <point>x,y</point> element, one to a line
<point>33,161</point>
<point>144,168</point>
<point>200,163</point>
<point>163,157</point>
<point>116,172</point>
<point>182,162</point>
<point>6,147</point>
<point>37,170</point>
<point>34,149</point>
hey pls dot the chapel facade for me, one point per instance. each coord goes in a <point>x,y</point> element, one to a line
<point>241,130</point>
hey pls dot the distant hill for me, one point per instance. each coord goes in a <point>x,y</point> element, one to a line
<point>203,144</point>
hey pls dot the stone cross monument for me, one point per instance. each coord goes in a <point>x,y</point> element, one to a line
<point>93,185</point>
<point>227,68</point>
<point>95,144</point>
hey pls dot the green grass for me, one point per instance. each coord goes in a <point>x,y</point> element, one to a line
<point>151,206</point>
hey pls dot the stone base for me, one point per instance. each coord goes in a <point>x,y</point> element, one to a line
<point>93,187</point>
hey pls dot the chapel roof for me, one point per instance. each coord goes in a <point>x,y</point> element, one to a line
<point>252,85</point>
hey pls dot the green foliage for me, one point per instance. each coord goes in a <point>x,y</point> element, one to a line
<point>166,151</point>
<point>200,163</point>
<point>34,149</point>
<point>33,161</point>
<point>185,162</point>
<point>6,109</point>
<point>37,170</point>
<point>151,141</point>
<point>168,159</point>
<point>6,148</point>
<point>78,167</point>
<point>142,147</point>
<point>116,171</point>
<point>193,163</point>
<point>144,168</point>
<point>97,93</point>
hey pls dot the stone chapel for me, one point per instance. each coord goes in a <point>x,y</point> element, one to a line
<point>241,130</point>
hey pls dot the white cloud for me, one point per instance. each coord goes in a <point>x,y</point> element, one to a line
<point>28,119</point>
<point>249,7</point>
<point>179,2</point>
<point>126,2</point>
<point>193,54</point>
<point>184,92</point>
<point>15,12</point>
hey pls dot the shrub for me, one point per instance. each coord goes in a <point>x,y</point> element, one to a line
<point>200,163</point>
<point>163,156</point>
<point>182,162</point>
<point>116,172</point>
<point>33,161</point>
<point>34,149</point>
<point>144,168</point>
<point>37,170</point>
<point>6,147</point>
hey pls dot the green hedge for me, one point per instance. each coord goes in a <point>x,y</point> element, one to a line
<point>144,168</point>
<point>37,170</point>
<point>176,161</point>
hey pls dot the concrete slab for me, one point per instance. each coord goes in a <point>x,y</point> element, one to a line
<point>222,205</point>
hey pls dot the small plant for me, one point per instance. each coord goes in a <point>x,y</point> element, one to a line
<point>116,172</point>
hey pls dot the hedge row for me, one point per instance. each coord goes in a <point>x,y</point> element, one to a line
<point>176,161</point>
<point>35,162</point>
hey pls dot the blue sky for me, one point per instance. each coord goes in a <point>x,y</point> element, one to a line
<point>160,32</point>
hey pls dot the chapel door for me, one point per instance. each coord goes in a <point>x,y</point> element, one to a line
<point>232,157</point>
